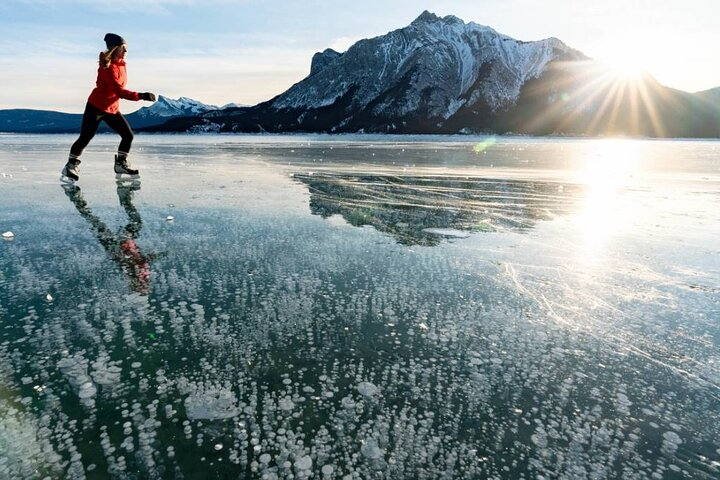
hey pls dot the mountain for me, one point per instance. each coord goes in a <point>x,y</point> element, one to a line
<point>442,75</point>
<point>38,121</point>
<point>44,121</point>
<point>165,108</point>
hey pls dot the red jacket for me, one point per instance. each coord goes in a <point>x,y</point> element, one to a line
<point>110,88</point>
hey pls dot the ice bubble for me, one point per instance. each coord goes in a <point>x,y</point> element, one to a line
<point>539,438</point>
<point>218,446</point>
<point>370,449</point>
<point>8,235</point>
<point>671,442</point>
<point>49,297</point>
<point>327,470</point>
<point>265,458</point>
<point>135,364</point>
<point>87,390</point>
<point>211,405</point>
<point>304,463</point>
<point>286,404</point>
<point>169,218</point>
<point>367,389</point>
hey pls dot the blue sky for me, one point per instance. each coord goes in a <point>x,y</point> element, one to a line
<point>246,51</point>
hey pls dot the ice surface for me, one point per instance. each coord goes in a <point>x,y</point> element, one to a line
<point>361,307</point>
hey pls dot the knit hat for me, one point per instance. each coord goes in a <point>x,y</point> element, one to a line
<point>113,40</point>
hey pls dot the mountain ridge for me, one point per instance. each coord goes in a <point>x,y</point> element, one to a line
<point>20,120</point>
<point>442,75</point>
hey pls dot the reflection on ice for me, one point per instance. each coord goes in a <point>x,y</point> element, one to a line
<point>275,345</point>
<point>420,210</point>
<point>121,247</point>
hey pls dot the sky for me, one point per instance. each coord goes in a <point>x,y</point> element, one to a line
<point>247,51</point>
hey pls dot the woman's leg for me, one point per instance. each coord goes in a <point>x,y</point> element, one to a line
<point>118,123</point>
<point>90,122</point>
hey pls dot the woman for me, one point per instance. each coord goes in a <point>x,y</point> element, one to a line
<point>104,105</point>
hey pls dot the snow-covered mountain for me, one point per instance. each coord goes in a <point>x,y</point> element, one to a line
<point>442,75</point>
<point>414,79</point>
<point>434,66</point>
<point>166,108</point>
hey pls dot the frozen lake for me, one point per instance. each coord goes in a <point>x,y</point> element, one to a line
<point>361,307</point>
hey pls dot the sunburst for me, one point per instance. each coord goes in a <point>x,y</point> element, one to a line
<point>598,98</point>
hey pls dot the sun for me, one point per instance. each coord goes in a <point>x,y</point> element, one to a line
<point>625,66</point>
<point>626,71</point>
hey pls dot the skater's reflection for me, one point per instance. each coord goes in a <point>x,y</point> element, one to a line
<point>121,247</point>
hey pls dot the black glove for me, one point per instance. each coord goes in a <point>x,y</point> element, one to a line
<point>147,96</point>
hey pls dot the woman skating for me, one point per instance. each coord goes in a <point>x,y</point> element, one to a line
<point>104,105</point>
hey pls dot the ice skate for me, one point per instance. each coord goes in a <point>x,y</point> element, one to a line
<point>71,171</point>
<point>123,172</point>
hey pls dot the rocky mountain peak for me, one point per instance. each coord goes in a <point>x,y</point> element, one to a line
<point>427,17</point>
<point>432,67</point>
<point>322,59</point>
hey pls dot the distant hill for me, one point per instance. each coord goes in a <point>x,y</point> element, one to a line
<point>442,75</point>
<point>44,121</point>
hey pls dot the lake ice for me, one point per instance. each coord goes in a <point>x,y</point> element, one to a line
<point>343,307</point>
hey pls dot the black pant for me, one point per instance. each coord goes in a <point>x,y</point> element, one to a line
<point>90,123</point>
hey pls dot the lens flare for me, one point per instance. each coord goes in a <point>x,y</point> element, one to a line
<point>484,145</point>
